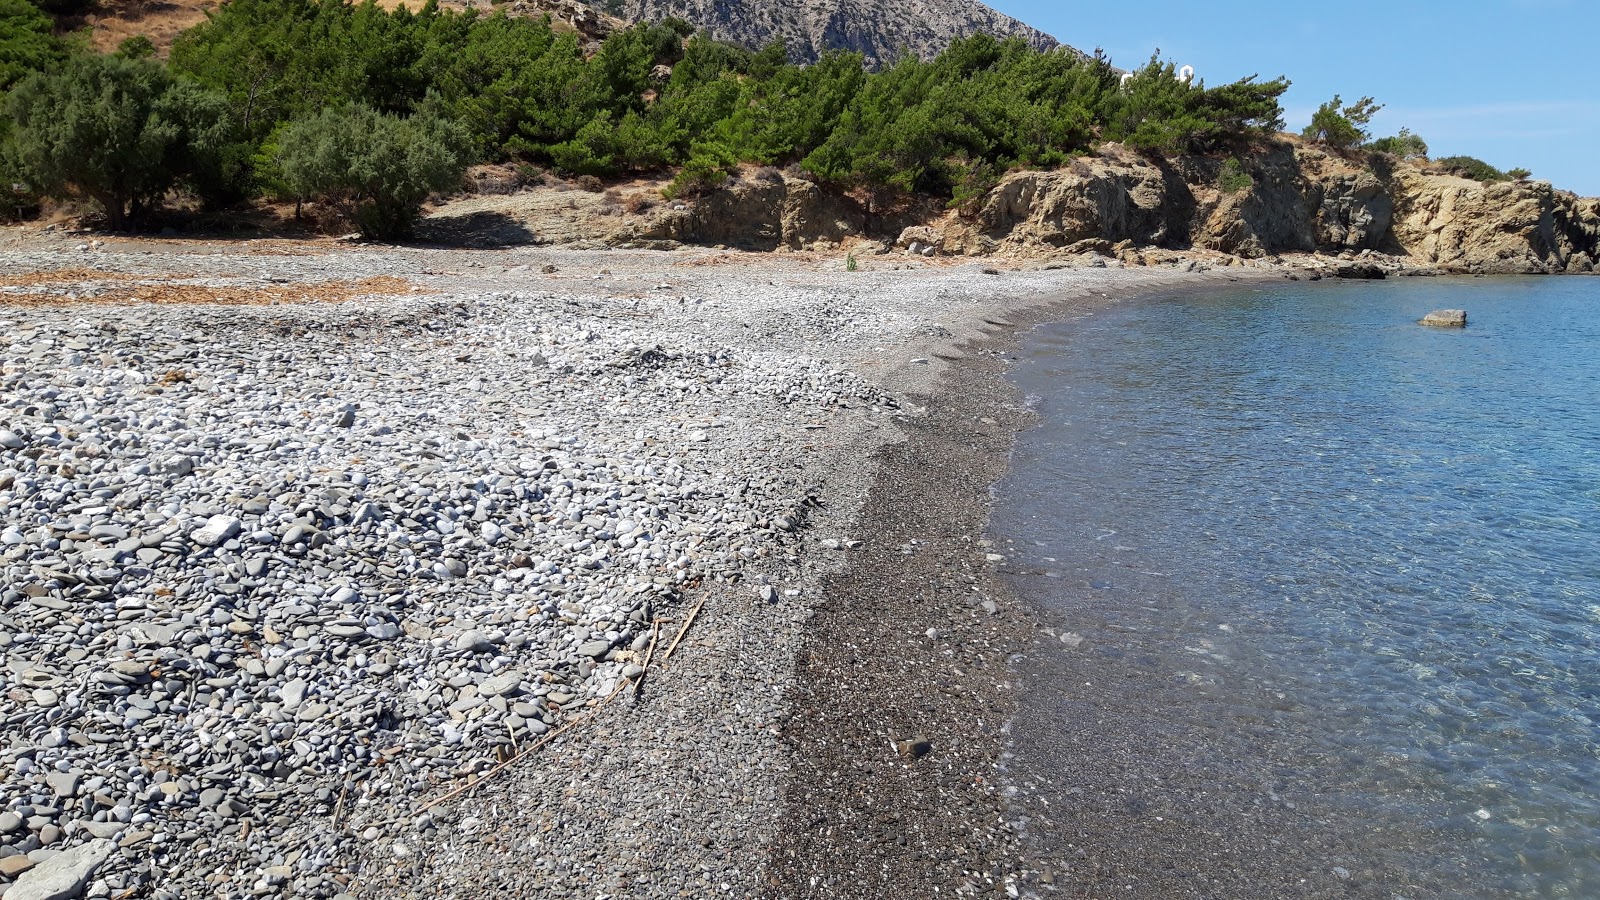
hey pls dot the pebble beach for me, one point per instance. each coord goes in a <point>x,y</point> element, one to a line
<point>339,571</point>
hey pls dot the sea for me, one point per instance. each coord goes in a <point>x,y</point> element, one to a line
<point>1320,592</point>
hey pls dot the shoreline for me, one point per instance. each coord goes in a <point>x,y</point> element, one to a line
<point>907,683</point>
<point>818,379</point>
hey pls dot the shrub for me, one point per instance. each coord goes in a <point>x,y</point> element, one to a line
<point>27,44</point>
<point>1519,174</point>
<point>117,131</point>
<point>1471,167</point>
<point>1233,179</point>
<point>1404,145</point>
<point>375,168</point>
<point>709,165</point>
<point>1342,126</point>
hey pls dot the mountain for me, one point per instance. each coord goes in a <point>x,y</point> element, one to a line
<point>878,29</point>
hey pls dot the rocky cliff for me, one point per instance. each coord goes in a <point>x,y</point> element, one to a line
<point>879,29</point>
<point>1296,199</point>
<point>1286,198</point>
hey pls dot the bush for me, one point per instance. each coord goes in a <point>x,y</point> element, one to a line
<point>709,165</point>
<point>1471,167</point>
<point>1342,126</point>
<point>1404,145</point>
<point>117,131</point>
<point>1519,174</point>
<point>27,44</point>
<point>1233,179</point>
<point>375,168</point>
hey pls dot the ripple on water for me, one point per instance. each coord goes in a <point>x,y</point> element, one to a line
<point>1373,547</point>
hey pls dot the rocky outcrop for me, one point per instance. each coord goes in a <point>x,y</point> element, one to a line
<point>879,29</point>
<point>766,212</point>
<point>1296,198</point>
<point>1498,228</point>
<point>1111,198</point>
<point>1287,197</point>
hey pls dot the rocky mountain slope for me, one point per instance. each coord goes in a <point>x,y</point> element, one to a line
<point>878,29</point>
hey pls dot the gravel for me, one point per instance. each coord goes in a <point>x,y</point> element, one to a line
<point>280,571</point>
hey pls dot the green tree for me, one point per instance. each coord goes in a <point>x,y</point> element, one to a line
<point>120,132</point>
<point>1519,174</point>
<point>27,44</point>
<point>1342,126</point>
<point>376,168</point>
<point>1405,145</point>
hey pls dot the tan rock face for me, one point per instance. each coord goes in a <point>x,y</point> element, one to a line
<point>1507,227</point>
<point>1101,199</point>
<point>1297,199</point>
<point>765,213</point>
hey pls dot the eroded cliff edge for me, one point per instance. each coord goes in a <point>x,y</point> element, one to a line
<point>1287,197</point>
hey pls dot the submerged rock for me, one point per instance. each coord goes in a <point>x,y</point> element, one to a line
<point>1445,318</point>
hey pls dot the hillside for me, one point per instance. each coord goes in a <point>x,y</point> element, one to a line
<point>878,29</point>
<point>875,28</point>
<point>1322,209</point>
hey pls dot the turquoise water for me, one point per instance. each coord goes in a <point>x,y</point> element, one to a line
<point>1356,557</point>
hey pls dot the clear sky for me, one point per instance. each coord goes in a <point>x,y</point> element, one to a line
<point>1513,82</point>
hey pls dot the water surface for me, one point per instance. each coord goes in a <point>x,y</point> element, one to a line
<point>1328,590</point>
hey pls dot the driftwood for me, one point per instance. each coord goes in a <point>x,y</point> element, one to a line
<point>581,720</point>
<point>685,629</point>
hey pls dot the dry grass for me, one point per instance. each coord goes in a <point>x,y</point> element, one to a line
<point>116,290</point>
<point>114,21</point>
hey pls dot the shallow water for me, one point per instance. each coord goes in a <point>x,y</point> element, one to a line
<point>1356,559</point>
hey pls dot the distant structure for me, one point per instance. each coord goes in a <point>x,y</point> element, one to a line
<point>1185,75</point>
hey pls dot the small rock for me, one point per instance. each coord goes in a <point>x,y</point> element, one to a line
<point>503,685</point>
<point>1361,272</point>
<point>63,876</point>
<point>217,529</point>
<point>915,748</point>
<point>1445,318</point>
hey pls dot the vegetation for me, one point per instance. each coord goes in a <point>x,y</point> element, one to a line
<point>1404,145</point>
<point>1233,179</point>
<point>27,44</point>
<point>376,167</point>
<point>118,131</point>
<point>371,110</point>
<point>1474,168</point>
<point>1342,126</point>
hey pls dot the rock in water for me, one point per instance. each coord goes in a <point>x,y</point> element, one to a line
<point>1446,318</point>
<point>64,876</point>
<point>1361,272</point>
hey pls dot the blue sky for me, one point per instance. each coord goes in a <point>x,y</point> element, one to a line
<point>1513,82</point>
